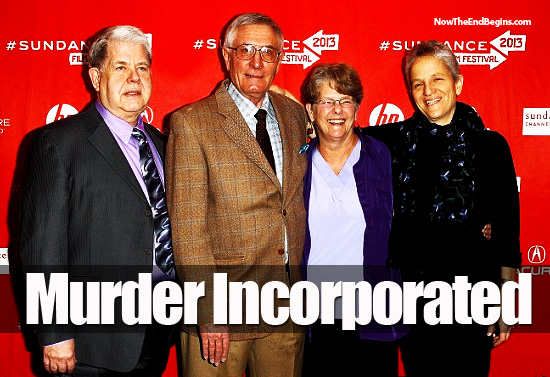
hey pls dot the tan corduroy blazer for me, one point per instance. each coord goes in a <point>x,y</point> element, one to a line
<point>227,209</point>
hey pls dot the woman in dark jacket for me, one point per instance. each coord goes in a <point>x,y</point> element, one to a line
<point>348,201</point>
<point>451,178</point>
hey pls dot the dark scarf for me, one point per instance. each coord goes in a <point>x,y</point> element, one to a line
<point>434,168</point>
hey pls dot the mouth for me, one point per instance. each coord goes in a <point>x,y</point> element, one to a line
<point>131,93</point>
<point>251,76</point>
<point>336,122</point>
<point>433,101</point>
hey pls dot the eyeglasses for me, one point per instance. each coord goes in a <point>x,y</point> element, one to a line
<point>329,103</point>
<point>247,52</point>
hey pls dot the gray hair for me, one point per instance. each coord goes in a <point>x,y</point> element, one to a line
<point>125,33</point>
<point>437,50</point>
<point>251,19</point>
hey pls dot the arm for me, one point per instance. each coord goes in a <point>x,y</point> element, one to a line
<point>44,239</point>
<point>187,194</point>
<point>504,213</point>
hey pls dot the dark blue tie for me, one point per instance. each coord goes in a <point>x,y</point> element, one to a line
<point>163,239</point>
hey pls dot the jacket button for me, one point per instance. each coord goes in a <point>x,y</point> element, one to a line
<point>284,212</point>
<point>148,251</point>
<point>147,212</point>
<point>281,251</point>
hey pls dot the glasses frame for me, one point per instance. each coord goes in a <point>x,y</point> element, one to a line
<point>256,49</point>
<point>329,103</point>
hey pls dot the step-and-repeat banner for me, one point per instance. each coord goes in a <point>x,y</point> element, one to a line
<point>502,47</point>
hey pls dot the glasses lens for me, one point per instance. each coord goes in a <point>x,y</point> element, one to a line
<point>269,54</point>
<point>245,51</point>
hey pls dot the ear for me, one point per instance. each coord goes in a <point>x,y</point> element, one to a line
<point>310,112</point>
<point>225,54</point>
<point>356,111</point>
<point>458,84</point>
<point>94,77</point>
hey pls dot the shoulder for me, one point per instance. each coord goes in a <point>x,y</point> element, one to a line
<point>492,142</point>
<point>282,102</point>
<point>191,113</point>
<point>374,147</point>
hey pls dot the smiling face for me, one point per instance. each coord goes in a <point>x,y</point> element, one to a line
<point>252,77</point>
<point>434,90</point>
<point>333,124</point>
<point>123,82</point>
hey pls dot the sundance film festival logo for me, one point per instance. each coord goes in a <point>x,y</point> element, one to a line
<point>536,254</point>
<point>470,52</point>
<point>304,53</point>
<point>60,111</point>
<point>536,121</point>
<point>385,113</point>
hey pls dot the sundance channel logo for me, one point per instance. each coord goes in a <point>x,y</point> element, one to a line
<point>536,121</point>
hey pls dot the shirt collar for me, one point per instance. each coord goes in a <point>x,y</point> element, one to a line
<point>247,108</point>
<point>122,129</point>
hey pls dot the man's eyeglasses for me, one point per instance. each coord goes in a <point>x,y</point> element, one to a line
<point>247,52</point>
<point>329,103</point>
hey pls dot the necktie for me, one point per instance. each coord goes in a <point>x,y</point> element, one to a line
<point>161,223</point>
<point>263,137</point>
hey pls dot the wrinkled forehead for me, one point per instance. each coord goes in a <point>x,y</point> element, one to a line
<point>257,34</point>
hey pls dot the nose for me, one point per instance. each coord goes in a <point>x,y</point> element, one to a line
<point>257,61</point>
<point>337,108</point>
<point>133,75</point>
<point>427,89</point>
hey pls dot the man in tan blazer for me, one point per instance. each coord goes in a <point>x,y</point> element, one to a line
<point>235,206</point>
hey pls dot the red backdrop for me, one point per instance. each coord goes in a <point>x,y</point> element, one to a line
<point>502,46</point>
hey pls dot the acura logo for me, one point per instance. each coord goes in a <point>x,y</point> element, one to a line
<point>536,254</point>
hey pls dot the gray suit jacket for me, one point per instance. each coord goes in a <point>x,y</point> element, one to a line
<point>85,213</point>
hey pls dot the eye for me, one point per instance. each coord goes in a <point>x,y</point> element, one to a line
<point>120,68</point>
<point>417,85</point>
<point>346,102</point>
<point>143,68</point>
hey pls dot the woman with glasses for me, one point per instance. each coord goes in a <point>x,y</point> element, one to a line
<point>451,178</point>
<point>348,202</point>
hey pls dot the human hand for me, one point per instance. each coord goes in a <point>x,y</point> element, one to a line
<point>487,231</point>
<point>500,332</point>
<point>60,358</point>
<point>215,343</point>
<point>284,92</point>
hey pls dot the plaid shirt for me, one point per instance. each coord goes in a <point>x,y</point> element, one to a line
<point>248,110</point>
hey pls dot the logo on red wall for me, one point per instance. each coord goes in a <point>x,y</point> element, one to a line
<point>147,115</point>
<point>536,121</point>
<point>385,113</point>
<point>60,111</point>
<point>536,254</point>
<point>471,52</point>
<point>4,124</point>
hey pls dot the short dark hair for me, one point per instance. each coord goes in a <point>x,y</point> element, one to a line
<point>340,76</point>
<point>431,48</point>
<point>98,51</point>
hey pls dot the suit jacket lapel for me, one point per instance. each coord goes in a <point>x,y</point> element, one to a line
<point>237,129</point>
<point>103,140</point>
<point>292,175</point>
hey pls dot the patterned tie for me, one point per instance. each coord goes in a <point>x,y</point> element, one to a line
<point>163,239</point>
<point>263,137</point>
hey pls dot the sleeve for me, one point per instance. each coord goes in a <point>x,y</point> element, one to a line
<point>384,132</point>
<point>44,223</point>
<point>187,195</point>
<point>503,190</point>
